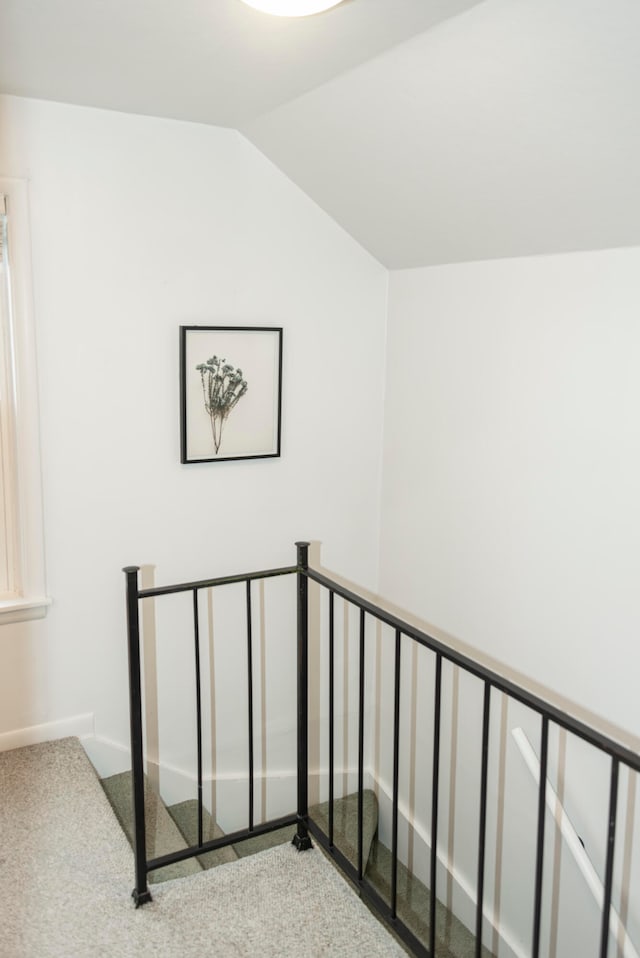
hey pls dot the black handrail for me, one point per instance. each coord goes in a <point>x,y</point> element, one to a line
<point>212,583</point>
<point>532,701</point>
<point>491,680</point>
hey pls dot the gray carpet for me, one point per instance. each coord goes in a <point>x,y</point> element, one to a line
<point>453,940</point>
<point>65,881</point>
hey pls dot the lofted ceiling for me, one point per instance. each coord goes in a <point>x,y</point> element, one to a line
<point>433,131</point>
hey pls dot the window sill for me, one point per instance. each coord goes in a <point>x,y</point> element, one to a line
<point>21,610</point>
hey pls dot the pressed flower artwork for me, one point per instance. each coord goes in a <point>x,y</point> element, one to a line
<point>230,392</point>
<point>222,387</point>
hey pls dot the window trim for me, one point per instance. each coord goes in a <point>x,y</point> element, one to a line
<point>30,600</point>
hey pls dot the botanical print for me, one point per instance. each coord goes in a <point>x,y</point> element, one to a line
<point>223,387</point>
<point>230,408</point>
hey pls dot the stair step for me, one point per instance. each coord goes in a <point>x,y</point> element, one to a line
<point>175,828</point>
<point>169,830</point>
<point>345,828</point>
<point>345,824</point>
<point>185,815</point>
<point>453,939</point>
<point>162,834</point>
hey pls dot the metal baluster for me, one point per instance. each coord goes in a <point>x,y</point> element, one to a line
<point>196,637</point>
<point>250,701</point>
<point>483,816</point>
<point>140,893</point>
<point>396,776</point>
<point>361,746</point>
<point>434,804</point>
<point>611,842</point>
<point>542,791</point>
<point>331,711</point>
<point>301,839</point>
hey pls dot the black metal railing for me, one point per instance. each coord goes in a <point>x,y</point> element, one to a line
<point>619,755</point>
<point>549,715</point>
<point>143,865</point>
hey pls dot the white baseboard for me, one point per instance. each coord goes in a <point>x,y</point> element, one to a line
<point>77,725</point>
<point>107,757</point>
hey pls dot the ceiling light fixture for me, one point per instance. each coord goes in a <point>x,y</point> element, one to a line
<point>292,8</point>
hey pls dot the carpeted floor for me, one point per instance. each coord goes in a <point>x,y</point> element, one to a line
<point>66,875</point>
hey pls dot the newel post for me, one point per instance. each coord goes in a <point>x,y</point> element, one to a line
<point>140,893</point>
<point>301,839</point>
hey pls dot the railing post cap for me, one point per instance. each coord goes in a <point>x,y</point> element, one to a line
<point>129,569</point>
<point>303,555</point>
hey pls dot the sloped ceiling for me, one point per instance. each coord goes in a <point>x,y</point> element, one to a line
<point>513,129</point>
<point>433,131</point>
<point>211,61</point>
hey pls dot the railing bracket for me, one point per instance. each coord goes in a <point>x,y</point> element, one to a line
<point>302,842</point>
<point>141,897</point>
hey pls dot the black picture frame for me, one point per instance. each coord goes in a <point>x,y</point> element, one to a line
<point>230,393</point>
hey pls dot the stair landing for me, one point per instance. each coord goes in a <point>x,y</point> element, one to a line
<point>176,827</point>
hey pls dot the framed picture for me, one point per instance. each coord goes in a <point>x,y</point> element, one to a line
<point>230,392</point>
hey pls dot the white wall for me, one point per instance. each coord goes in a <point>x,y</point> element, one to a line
<point>511,519</point>
<point>139,225</point>
<point>512,453</point>
<point>512,465</point>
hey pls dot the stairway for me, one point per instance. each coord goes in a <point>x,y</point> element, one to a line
<point>67,872</point>
<point>176,826</point>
